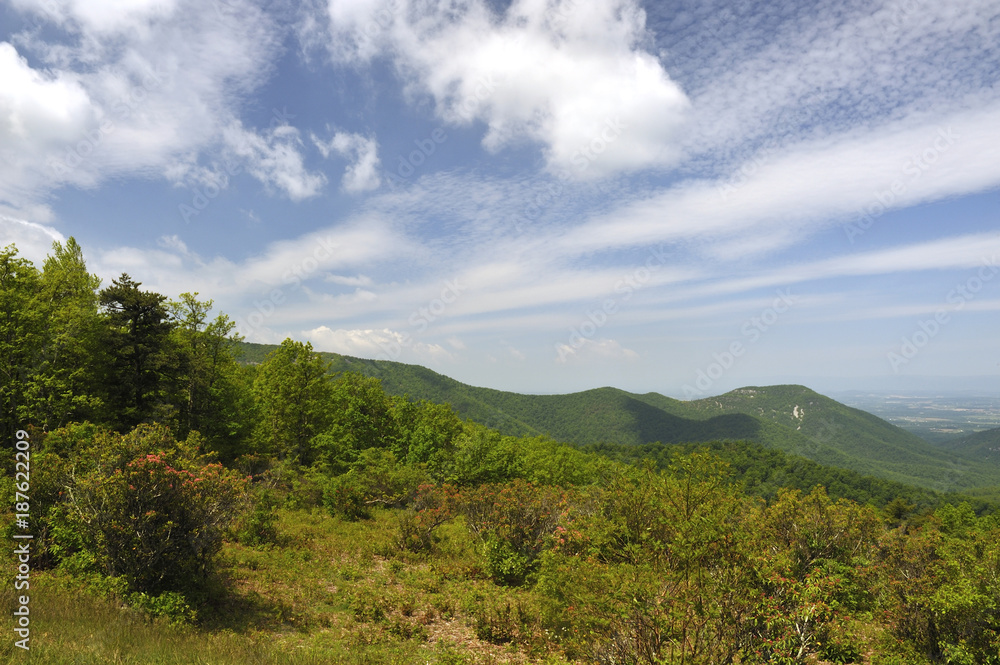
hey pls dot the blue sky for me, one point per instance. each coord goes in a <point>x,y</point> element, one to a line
<point>541,196</point>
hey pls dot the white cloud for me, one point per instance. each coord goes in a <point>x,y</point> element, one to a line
<point>41,113</point>
<point>174,243</point>
<point>385,344</point>
<point>362,174</point>
<point>33,241</point>
<point>147,89</point>
<point>569,75</point>
<point>100,16</point>
<point>811,185</point>
<point>360,280</point>
<point>590,349</point>
<point>274,158</point>
<point>831,69</point>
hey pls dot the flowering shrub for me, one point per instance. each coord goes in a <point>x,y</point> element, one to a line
<point>433,506</point>
<point>514,522</point>
<point>151,522</point>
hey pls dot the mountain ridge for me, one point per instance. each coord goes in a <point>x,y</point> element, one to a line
<point>792,418</point>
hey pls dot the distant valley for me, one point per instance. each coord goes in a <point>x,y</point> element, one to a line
<point>939,418</point>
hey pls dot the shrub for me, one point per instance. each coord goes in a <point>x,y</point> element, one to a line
<point>155,520</point>
<point>375,479</point>
<point>433,505</point>
<point>513,522</point>
<point>170,605</point>
<point>257,526</point>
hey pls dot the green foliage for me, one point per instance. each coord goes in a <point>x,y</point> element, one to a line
<point>485,456</point>
<point>140,362</point>
<point>362,414</point>
<point>213,396</point>
<point>513,521</point>
<point>292,391</point>
<point>433,506</point>
<point>672,552</point>
<point>548,462</point>
<point>256,525</point>
<point>820,429</point>
<point>939,586</point>
<point>62,384</point>
<point>376,478</point>
<point>170,605</point>
<point>155,520</point>
<point>429,432</point>
<point>21,337</point>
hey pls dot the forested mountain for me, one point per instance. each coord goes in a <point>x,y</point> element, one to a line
<point>983,446</point>
<point>794,419</point>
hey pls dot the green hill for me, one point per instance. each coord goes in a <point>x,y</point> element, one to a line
<point>792,418</point>
<point>870,444</point>
<point>983,446</point>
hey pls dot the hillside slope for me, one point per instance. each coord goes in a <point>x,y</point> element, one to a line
<point>794,419</point>
<point>983,446</point>
<point>871,444</point>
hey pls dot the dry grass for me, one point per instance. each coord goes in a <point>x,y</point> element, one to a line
<point>331,592</point>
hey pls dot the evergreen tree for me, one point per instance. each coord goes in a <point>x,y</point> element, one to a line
<point>141,361</point>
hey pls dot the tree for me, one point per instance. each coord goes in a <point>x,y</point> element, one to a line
<point>61,387</point>
<point>428,432</point>
<point>361,416</point>
<point>213,397</point>
<point>148,510</point>
<point>21,336</point>
<point>292,392</point>
<point>140,359</point>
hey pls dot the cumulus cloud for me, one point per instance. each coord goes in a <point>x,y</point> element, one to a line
<point>144,88</point>
<point>41,113</point>
<point>570,76</point>
<point>274,159</point>
<point>384,344</point>
<point>362,174</point>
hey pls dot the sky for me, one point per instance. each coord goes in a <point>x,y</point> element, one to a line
<point>540,195</point>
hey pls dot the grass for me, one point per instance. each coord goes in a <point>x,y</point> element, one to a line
<point>330,591</point>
